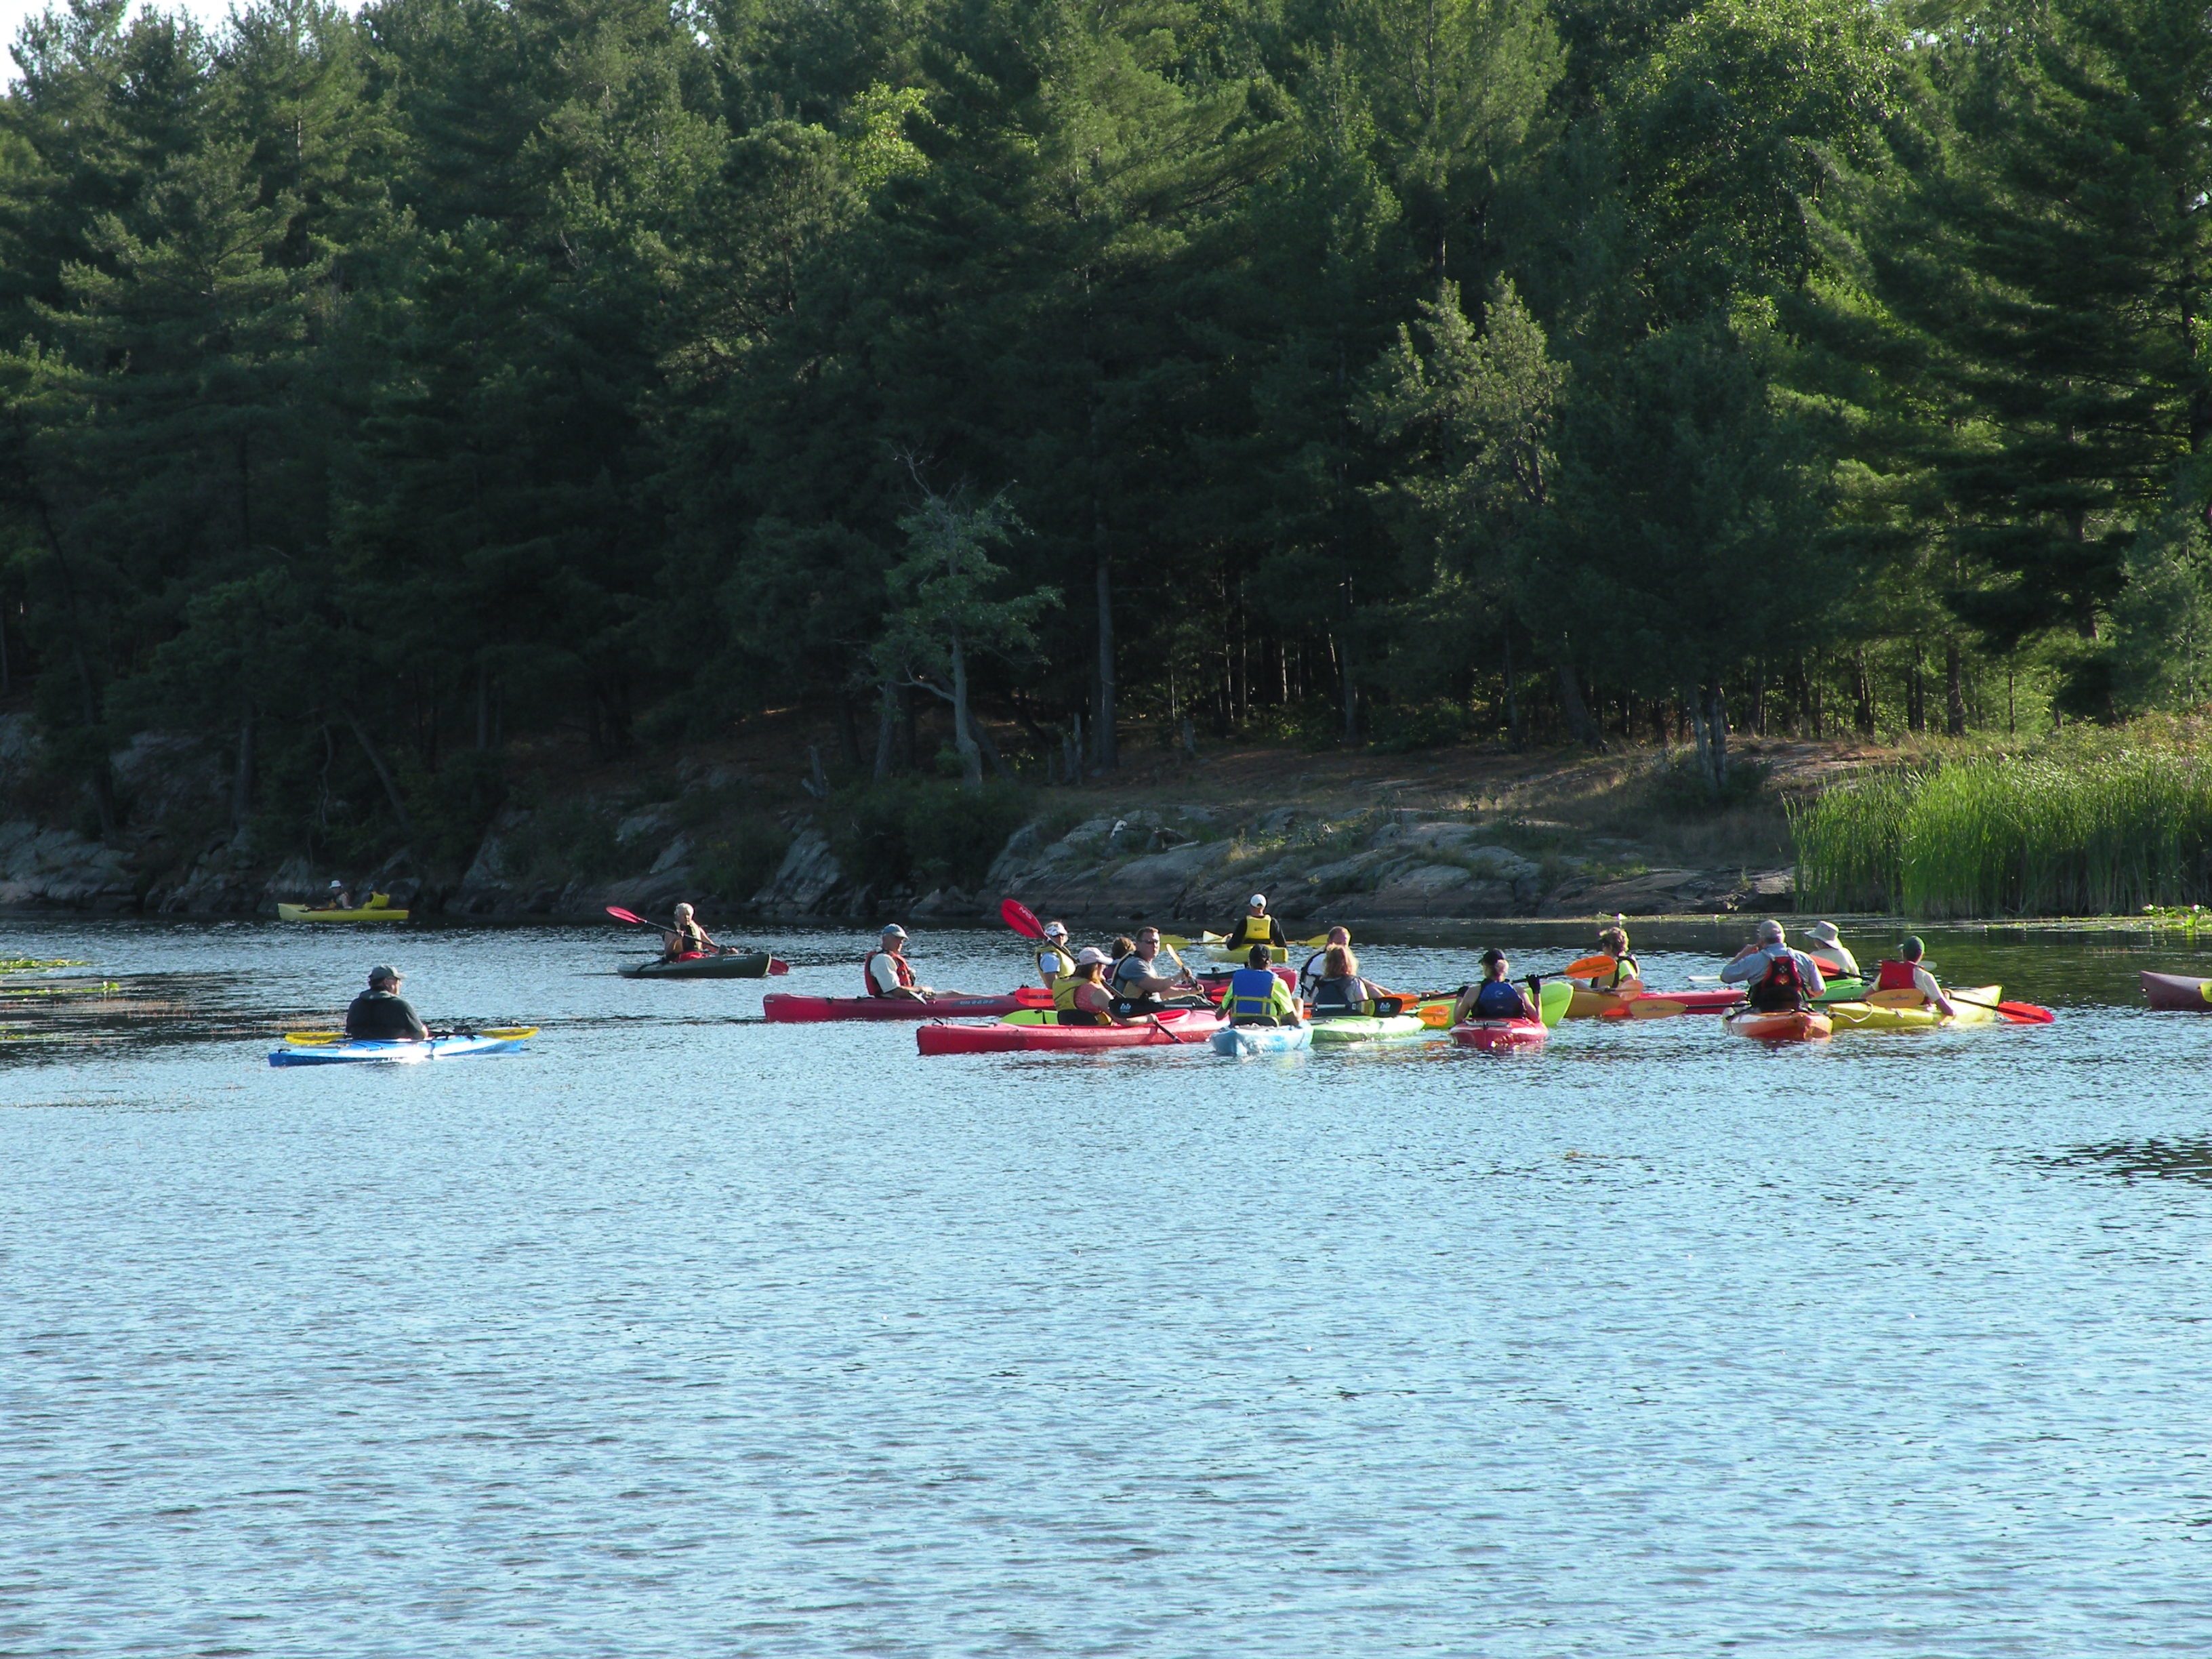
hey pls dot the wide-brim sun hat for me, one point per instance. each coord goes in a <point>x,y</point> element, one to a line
<point>1824,930</point>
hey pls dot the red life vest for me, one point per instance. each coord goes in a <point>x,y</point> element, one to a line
<point>1896,977</point>
<point>1781,988</point>
<point>867,966</point>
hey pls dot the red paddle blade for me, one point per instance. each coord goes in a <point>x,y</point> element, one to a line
<point>778,965</point>
<point>1022,920</point>
<point>2027,1013</point>
<point>621,915</point>
<point>1830,970</point>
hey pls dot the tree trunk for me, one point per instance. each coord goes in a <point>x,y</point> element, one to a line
<point>1578,712</point>
<point>1513,735</point>
<point>886,729</point>
<point>383,776</point>
<point>1101,724</point>
<point>1954,692</point>
<point>1351,690</point>
<point>1708,720</point>
<point>971,757</point>
<point>103,779</point>
<point>849,729</point>
<point>1862,692</point>
<point>241,780</point>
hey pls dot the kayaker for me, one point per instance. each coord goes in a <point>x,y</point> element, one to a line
<point>340,897</point>
<point>1257,996</point>
<point>1497,997</point>
<point>889,975</point>
<point>381,1014</point>
<point>1254,927</point>
<point>1626,975</point>
<point>1340,990</point>
<point>1776,978</point>
<point>1053,962</point>
<point>1831,948</point>
<point>1906,973</point>
<point>687,938</point>
<point>1310,975</point>
<point>1081,997</point>
<point>1138,989</point>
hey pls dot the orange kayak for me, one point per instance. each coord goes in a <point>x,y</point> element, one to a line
<point>1803,1025</point>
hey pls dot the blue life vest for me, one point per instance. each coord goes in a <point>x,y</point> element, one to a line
<point>1251,995</point>
<point>1498,999</point>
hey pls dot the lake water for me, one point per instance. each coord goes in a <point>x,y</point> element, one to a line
<point>679,1334</point>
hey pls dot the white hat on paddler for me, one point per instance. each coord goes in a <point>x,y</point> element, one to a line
<point>1055,930</point>
<point>892,930</point>
<point>1257,902</point>
<point>1825,932</point>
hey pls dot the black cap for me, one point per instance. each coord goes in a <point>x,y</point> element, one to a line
<point>1493,954</point>
<point>1912,948</point>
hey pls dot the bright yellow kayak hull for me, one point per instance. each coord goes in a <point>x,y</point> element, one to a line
<point>1872,1017</point>
<point>369,912</point>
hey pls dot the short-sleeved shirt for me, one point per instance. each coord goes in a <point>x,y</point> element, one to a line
<point>1132,967</point>
<point>883,973</point>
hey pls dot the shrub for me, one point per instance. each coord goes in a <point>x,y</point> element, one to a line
<point>923,833</point>
<point>738,864</point>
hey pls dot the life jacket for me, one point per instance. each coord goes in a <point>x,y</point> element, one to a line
<point>1251,930</point>
<point>1251,995</point>
<point>1624,967</point>
<point>1499,999</point>
<point>1781,988</point>
<point>1342,996</point>
<point>1066,1011</point>
<point>867,966</point>
<point>1896,977</point>
<point>1054,963</point>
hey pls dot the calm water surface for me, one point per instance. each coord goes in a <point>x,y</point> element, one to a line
<point>681,1334</point>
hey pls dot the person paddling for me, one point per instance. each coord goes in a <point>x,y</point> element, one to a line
<point>1906,973</point>
<point>1081,997</point>
<point>889,974</point>
<point>686,938</point>
<point>1831,948</point>
<point>1497,997</point>
<point>1777,979</point>
<point>1257,996</point>
<point>1340,990</point>
<point>1626,977</point>
<point>381,1014</point>
<point>1138,986</point>
<point>1052,962</point>
<point>1254,927</point>
<point>339,897</point>
<point>1310,975</point>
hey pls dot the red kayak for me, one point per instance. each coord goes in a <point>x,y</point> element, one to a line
<point>1800,1025</point>
<point>1184,1028</point>
<point>2178,993</point>
<point>782,1009</point>
<point>1500,1034</point>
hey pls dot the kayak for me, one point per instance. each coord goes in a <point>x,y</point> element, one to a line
<point>1610,1004</point>
<point>354,1054</point>
<point>1241,1041</point>
<point>1184,1028</point>
<point>378,909</point>
<point>1499,1035</point>
<point>1367,1028</point>
<point>1801,1025</point>
<point>1842,990</point>
<point>750,964</point>
<point>783,1008</point>
<point>2177,991</point>
<point>1276,953</point>
<point>1874,1017</point>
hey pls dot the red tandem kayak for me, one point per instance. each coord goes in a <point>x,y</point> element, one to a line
<point>2177,991</point>
<point>1496,1034</point>
<point>1188,1028</point>
<point>783,1008</point>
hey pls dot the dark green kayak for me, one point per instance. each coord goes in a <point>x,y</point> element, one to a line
<point>753,964</point>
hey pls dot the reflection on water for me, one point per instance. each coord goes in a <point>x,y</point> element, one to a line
<point>679,1334</point>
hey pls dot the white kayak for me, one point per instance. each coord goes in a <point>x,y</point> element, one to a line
<point>356,1052</point>
<point>1242,1040</point>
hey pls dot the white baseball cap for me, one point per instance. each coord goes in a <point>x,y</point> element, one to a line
<point>894,928</point>
<point>1089,954</point>
<point>1260,899</point>
<point>1055,930</point>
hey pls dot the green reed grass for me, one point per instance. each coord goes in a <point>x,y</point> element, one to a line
<point>2082,834</point>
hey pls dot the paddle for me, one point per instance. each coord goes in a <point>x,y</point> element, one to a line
<point>2017,1013</point>
<point>1022,920</point>
<point>775,964</point>
<point>319,1039</point>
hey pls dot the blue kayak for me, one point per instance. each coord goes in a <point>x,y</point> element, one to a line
<point>1242,1040</point>
<point>354,1054</point>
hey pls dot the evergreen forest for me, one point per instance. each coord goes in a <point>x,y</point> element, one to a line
<point>379,392</point>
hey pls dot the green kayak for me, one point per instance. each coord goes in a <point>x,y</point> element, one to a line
<point>1367,1028</point>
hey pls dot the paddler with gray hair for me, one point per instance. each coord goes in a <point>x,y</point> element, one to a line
<point>1776,978</point>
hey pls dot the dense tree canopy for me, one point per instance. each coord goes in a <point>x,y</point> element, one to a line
<point>377,390</point>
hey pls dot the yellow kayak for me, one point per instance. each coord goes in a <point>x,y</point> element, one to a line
<point>378,909</point>
<point>1873,1017</point>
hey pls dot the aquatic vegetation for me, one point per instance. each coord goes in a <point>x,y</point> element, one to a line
<point>2079,835</point>
<point>37,964</point>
